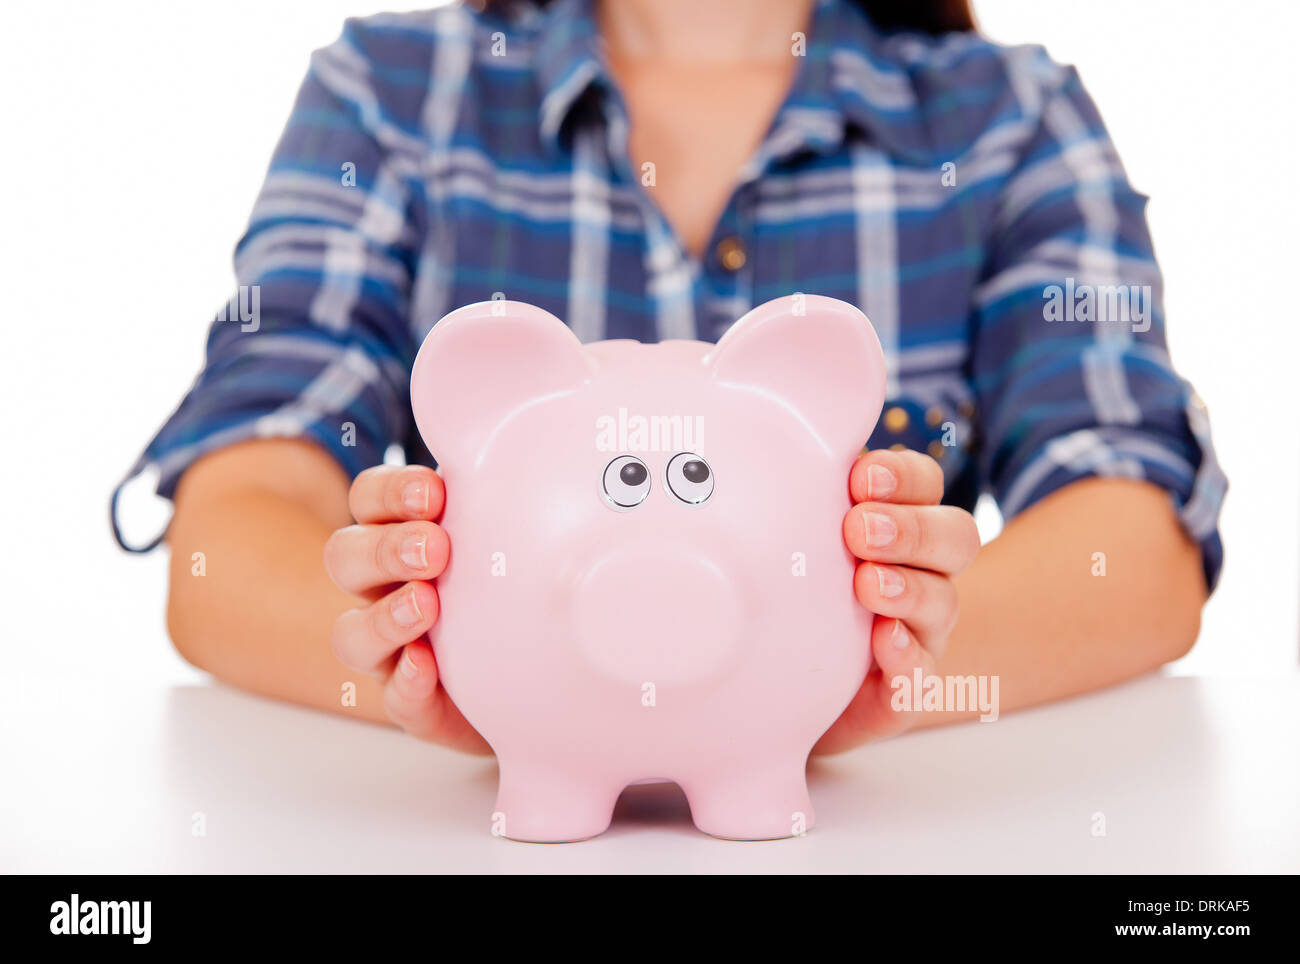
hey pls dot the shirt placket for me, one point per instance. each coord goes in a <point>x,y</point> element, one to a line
<point>670,272</point>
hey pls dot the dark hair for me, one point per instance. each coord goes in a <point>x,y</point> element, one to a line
<point>920,16</point>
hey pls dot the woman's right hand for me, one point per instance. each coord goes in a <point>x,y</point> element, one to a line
<point>388,559</point>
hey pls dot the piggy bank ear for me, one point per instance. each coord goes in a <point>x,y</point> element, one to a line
<point>819,357</point>
<point>482,364</point>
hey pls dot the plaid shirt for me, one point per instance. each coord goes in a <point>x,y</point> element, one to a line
<point>963,194</point>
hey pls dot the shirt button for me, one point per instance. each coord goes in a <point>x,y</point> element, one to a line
<point>731,254</point>
<point>896,419</point>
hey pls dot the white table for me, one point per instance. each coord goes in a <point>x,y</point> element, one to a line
<point>1191,776</point>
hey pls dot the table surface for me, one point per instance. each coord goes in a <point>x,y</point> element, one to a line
<point>1166,774</point>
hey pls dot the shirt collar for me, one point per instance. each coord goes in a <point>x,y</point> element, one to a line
<point>846,76</point>
<point>850,77</point>
<point>568,62</point>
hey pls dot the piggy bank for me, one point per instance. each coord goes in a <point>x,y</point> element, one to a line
<point>648,579</point>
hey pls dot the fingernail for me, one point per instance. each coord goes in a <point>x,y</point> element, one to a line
<point>414,553</point>
<point>899,636</point>
<point>880,529</point>
<point>407,665</point>
<point>891,582</point>
<point>881,482</point>
<point>415,497</point>
<point>406,611</point>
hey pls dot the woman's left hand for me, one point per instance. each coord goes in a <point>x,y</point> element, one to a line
<point>910,548</point>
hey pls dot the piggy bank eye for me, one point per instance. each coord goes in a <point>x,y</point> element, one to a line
<point>626,482</point>
<point>689,478</point>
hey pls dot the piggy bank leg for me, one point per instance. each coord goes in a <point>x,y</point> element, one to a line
<point>541,804</point>
<point>764,802</point>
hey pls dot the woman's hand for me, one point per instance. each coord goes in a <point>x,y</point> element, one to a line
<point>388,559</point>
<point>911,547</point>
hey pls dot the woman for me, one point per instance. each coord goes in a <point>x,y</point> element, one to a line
<point>651,169</point>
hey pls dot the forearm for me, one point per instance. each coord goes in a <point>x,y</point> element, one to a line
<point>1034,614</point>
<point>256,608</point>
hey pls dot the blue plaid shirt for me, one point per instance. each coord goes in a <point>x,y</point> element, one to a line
<point>963,194</point>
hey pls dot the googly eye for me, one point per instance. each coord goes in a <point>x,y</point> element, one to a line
<point>626,482</point>
<point>689,478</point>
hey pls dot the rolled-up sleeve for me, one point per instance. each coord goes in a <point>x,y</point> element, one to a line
<point>315,343</point>
<point>1070,367</point>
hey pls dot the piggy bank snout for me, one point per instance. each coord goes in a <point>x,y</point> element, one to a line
<point>657,615</point>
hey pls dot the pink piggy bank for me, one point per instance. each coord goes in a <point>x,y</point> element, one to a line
<point>648,579</point>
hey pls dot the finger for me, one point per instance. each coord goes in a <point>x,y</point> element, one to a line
<point>898,655</point>
<point>367,639</point>
<point>903,477</point>
<point>867,717</point>
<point>872,712</point>
<point>411,688</point>
<point>415,702</point>
<point>938,537</point>
<point>361,557</point>
<point>394,493</point>
<point>925,601</point>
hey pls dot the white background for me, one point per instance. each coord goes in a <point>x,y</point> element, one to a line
<point>136,135</point>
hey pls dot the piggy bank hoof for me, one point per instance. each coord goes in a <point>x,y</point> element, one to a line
<point>766,806</point>
<point>540,806</point>
<point>775,824</point>
<point>535,826</point>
